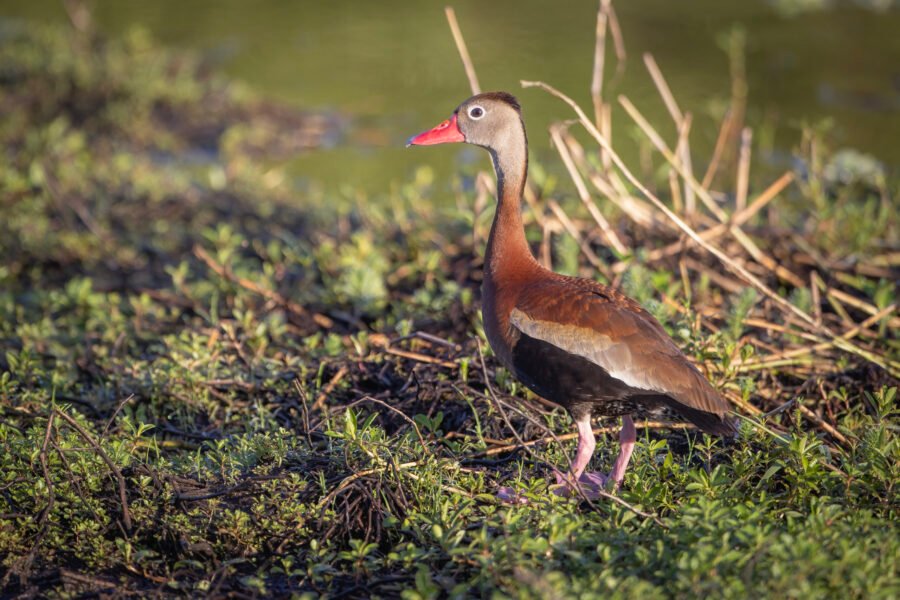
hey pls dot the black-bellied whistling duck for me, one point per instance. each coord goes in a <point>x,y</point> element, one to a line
<point>580,344</point>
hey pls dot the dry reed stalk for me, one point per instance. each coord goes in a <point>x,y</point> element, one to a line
<point>719,148</point>
<point>821,423</point>
<point>686,283</point>
<point>606,128</point>
<point>873,271</point>
<point>682,123</point>
<point>610,186</point>
<point>732,286</point>
<point>889,259</point>
<point>419,357</point>
<point>599,62</point>
<point>802,367</point>
<point>583,245</point>
<point>735,399</point>
<point>738,105</point>
<point>683,152</point>
<point>858,304</point>
<point>79,14</point>
<point>677,204</point>
<point>838,308</point>
<point>632,207</point>
<point>705,196</point>
<point>814,285</point>
<point>616,31</point>
<point>717,231</point>
<point>663,149</point>
<point>743,174</point>
<point>738,234</point>
<point>663,87</point>
<point>463,51</point>
<point>608,232</point>
<point>433,339</point>
<point>685,172</point>
<point>847,335</point>
<point>602,110</point>
<point>785,329</point>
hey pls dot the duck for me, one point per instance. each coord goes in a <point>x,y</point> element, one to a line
<point>582,345</point>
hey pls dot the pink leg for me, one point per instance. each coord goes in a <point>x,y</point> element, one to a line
<point>627,437</point>
<point>591,483</point>
<point>586,445</point>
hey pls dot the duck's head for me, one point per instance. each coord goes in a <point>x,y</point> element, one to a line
<point>488,120</point>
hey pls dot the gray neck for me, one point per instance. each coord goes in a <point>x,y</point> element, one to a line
<point>507,249</point>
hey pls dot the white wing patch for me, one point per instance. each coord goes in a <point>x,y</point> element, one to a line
<point>614,357</point>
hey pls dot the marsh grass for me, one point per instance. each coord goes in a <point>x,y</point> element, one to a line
<point>211,385</point>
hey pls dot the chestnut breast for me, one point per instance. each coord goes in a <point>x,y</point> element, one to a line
<point>499,297</point>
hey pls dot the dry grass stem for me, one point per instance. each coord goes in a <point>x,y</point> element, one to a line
<point>463,51</point>
<point>329,387</point>
<point>599,62</point>
<point>418,356</point>
<point>397,411</point>
<point>743,175</point>
<point>663,88</point>
<point>682,122</point>
<point>583,194</point>
<point>616,31</point>
<point>683,152</point>
<point>821,346</point>
<point>609,185</point>
<point>573,231</point>
<point>663,149</point>
<point>719,230</point>
<point>718,149</point>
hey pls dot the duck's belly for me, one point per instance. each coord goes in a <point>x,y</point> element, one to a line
<point>581,386</point>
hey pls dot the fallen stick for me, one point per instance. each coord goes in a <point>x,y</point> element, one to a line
<point>123,498</point>
<point>224,272</point>
<point>329,387</point>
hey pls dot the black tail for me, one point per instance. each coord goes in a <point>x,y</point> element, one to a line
<point>709,422</point>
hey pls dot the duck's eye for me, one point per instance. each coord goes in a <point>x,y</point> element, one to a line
<point>476,112</point>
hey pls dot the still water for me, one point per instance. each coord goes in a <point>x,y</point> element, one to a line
<point>391,67</point>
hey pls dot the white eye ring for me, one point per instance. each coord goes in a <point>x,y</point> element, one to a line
<point>476,112</point>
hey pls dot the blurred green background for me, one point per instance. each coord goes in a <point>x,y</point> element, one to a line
<point>390,68</point>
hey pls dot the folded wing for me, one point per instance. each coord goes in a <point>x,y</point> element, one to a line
<point>615,333</point>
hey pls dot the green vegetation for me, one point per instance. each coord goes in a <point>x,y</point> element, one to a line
<point>209,384</point>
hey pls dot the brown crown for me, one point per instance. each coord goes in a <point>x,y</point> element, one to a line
<point>502,97</point>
